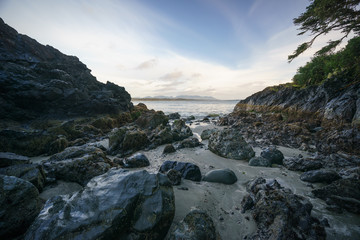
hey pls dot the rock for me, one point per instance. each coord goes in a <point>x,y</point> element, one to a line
<point>187,170</point>
<point>225,176</point>
<point>30,172</point>
<point>190,118</point>
<point>39,81</point>
<point>259,162</point>
<point>58,145</point>
<point>169,148</point>
<point>302,164</point>
<point>317,176</point>
<point>344,193</point>
<point>8,159</point>
<point>197,225</point>
<point>151,119</point>
<point>136,161</point>
<point>230,143</point>
<point>174,116</point>
<point>19,206</point>
<point>188,143</point>
<point>125,141</point>
<point>280,214</point>
<point>116,205</point>
<point>77,164</point>
<point>274,155</point>
<point>180,130</point>
<point>174,176</point>
<point>206,133</point>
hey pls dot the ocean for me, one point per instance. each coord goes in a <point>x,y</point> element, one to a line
<point>199,108</point>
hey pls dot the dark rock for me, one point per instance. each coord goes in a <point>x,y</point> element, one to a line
<point>39,81</point>
<point>58,145</point>
<point>115,205</point>
<point>174,116</point>
<point>180,130</point>
<point>152,119</point>
<point>230,143</point>
<point>188,170</point>
<point>30,172</point>
<point>8,159</point>
<point>124,141</point>
<point>259,162</point>
<point>174,176</point>
<point>273,154</point>
<point>188,143</point>
<point>322,175</point>
<point>302,164</point>
<point>190,118</point>
<point>169,148</point>
<point>344,193</point>
<point>19,206</point>
<point>197,225</point>
<point>136,161</point>
<point>225,176</point>
<point>77,164</point>
<point>279,213</point>
<point>206,133</point>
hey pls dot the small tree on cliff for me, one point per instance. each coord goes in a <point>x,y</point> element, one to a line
<point>324,16</point>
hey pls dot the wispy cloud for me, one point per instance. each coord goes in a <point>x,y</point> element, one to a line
<point>147,64</point>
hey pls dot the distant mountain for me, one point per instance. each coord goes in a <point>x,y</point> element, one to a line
<point>180,97</point>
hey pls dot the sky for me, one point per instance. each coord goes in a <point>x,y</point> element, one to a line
<point>227,49</point>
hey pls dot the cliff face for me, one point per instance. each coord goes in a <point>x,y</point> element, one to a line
<point>335,99</point>
<point>39,81</point>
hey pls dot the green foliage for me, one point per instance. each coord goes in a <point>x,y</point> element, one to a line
<point>345,62</point>
<point>324,16</point>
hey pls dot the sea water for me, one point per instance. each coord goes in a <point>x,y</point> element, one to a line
<point>198,108</point>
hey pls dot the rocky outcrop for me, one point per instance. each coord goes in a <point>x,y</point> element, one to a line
<point>334,99</point>
<point>197,225</point>
<point>230,143</point>
<point>19,206</point>
<point>273,155</point>
<point>302,164</point>
<point>115,205</point>
<point>279,213</point>
<point>38,81</point>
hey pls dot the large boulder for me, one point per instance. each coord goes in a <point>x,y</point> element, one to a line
<point>19,206</point>
<point>273,155</point>
<point>187,170</point>
<point>320,176</point>
<point>207,133</point>
<point>40,81</point>
<point>344,193</point>
<point>230,143</point>
<point>197,225</point>
<point>115,205</point>
<point>78,164</point>
<point>188,143</point>
<point>33,173</point>
<point>280,214</point>
<point>225,176</point>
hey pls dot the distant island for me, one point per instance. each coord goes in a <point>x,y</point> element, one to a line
<point>177,98</point>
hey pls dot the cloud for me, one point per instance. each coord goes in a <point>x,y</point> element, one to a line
<point>147,64</point>
<point>172,76</point>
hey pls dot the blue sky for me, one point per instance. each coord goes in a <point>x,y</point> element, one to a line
<point>227,49</point>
